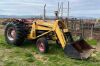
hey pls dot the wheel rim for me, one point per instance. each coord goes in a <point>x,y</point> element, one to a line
<point>41,47</point>
<point>11,34</point>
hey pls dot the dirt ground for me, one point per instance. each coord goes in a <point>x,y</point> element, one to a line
<point>98,47</point>
<point>1,31</point>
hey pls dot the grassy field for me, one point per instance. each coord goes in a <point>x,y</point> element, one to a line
<point>27,55</point>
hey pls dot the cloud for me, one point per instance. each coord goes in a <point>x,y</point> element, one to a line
<point>21,3</point>
<point>86,12</point>
<point>23,7</point>
<point>74,1</point>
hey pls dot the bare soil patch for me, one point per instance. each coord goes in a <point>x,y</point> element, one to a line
<point>98,47</point>
<point>1,31</point>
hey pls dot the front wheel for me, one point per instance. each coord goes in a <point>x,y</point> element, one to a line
<point>42,45</point>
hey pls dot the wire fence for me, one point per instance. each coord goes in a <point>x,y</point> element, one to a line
<point>85,28</point>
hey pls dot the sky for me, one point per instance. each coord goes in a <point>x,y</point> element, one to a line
<point>78,8</point>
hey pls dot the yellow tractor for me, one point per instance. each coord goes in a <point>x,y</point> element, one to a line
<point>42,31</point>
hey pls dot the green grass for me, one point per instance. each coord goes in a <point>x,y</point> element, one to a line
<point>1,26</point>
<point>92,41</point>
<point>89,41</point>
<point>27,55</point>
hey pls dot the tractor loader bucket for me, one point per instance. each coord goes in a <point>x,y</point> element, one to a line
<point>79,49</point>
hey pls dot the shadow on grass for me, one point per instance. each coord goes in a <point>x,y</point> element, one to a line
<point>28,43</point>
<point>53,47</point>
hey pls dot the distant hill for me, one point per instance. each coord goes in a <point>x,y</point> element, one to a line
<point>33,16</point>
<point>14,16</point>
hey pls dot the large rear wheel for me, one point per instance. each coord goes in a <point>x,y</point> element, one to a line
<point>15,33</point>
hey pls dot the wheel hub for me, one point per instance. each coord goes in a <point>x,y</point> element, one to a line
<point>41,47</point>
<point>11,34</point>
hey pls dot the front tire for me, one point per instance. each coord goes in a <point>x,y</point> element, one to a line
<point>15,33</point>
<point>42,45</point>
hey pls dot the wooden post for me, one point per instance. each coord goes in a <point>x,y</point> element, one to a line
<point>91,31</point>
<point>72,24</point>
<point>82,28</point>
<point>68,10</point>
<point>66,22</point>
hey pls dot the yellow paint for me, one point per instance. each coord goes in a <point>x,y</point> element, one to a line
<point>49,27</point>
<point>60,36</point>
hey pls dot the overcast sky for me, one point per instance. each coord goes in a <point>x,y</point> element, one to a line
<point>78,8</point>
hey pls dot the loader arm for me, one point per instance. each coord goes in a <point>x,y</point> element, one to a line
<point>60,36</point>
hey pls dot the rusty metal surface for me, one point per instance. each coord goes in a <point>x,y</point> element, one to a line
<point>79,50</point>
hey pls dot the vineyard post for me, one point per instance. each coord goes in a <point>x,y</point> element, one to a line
<point>82,28</point>
<point>92,31</point>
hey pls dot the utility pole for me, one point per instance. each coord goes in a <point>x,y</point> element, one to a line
<point>62,9</point>
<point>58,8</point>
<point>68,10</point>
